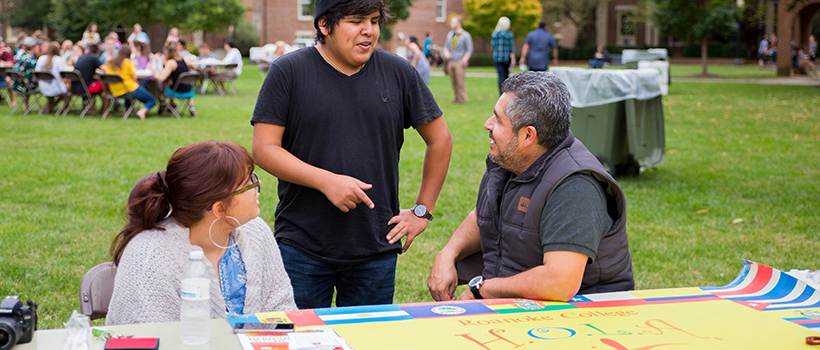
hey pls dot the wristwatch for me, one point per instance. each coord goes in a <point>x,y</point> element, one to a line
<point>475,284</point>
<point>420,210</point>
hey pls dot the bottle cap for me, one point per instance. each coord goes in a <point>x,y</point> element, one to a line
<point>196,254</point>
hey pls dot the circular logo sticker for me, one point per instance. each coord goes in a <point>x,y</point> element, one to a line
<point>528,304</point>
<point>448,310</point>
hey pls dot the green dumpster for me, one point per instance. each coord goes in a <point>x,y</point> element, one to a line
<point>618,115</point>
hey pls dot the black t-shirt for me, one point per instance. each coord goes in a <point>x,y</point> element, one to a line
<point>87,64</point>
<point>350,125</point>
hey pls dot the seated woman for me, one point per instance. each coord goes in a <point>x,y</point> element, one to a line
<point>141,56</point>
<point>214,194</point>
<point>54,90</point>
<point>121,65</point>
<point>174,66</point>
<point>600,58</point>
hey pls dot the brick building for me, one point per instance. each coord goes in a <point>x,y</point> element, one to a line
<point>288,20</point>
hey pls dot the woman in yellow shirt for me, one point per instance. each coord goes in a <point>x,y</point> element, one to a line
<point>122,65</point>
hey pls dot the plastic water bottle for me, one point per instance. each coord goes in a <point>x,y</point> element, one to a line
<point>195,328</point>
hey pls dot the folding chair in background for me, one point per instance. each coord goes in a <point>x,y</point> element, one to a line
<point>4,87</point>
<point>187,78</point>
<point>33,96</point>
<point>226,78</point>
<point>47,76</point>
<point>109,79</point>
<point>87,101</point>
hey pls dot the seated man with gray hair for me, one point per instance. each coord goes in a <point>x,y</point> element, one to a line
<point>549,221</point>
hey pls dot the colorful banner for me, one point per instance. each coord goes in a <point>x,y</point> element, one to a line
<point>763,308</point>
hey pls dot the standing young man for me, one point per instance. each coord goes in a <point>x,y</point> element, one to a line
<point>329,123</point>
<point>537,48</point>
<point>458,47</point>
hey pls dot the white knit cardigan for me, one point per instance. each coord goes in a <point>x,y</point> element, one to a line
<point>147,284</point>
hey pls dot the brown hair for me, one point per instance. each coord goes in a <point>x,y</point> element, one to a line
<point>171,52</point>
<point>122,55</point>
<point>53,50</point>
<point>195,178</point>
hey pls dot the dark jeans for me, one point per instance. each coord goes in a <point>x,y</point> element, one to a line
<point>503,69</point>
<point>313,281</point>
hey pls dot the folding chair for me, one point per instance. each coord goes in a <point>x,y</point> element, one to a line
<point>187,78</point>
<point>35,93</point>
<point>47,76</point>
<point>226,78</point>
<point>109,79</point>
<point>96,289</point>
<point>86,99</point>
<point>4,88</point>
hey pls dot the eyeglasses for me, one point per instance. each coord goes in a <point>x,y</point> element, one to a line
<point>255,183</point>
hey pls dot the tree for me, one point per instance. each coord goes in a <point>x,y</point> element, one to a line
<point>483,15</point>
<point>580,12</point>
<point>27,14</point>
<point>695,21</point>
<point>399,10</point>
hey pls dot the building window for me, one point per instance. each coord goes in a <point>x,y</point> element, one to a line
<point>627,24</point>
<point>305,12</point>
<point>441,10</point>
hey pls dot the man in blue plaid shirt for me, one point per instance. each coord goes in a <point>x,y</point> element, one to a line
<point>503,44</point>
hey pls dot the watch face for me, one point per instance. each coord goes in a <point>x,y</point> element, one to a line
<point>420,210</point>
<point>476,281</point>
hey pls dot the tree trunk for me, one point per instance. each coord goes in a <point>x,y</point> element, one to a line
<point>703,55</point>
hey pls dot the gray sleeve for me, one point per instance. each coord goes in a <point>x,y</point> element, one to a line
<point>468,44</point>
<point>575,217</point>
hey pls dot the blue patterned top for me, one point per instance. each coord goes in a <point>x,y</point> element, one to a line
<point>503,44</point>
<point>233,278</point>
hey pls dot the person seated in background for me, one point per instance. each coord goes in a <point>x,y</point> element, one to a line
<point>90,35</point>
<point>110,50</point>
<point>600,57</point>
<point>214,193</point>
<point>77,50</point>
<point>87,66</point>
<point>174,66</point>
<point>138,35</point>
<point>549,221</point>
<point>6,60</point>
<point>184,53</point>
<point>173,35</point>
<point>55,89</point>
<point>232,57</point>
<point>205,51</point>
<point>66,49</point>
<point>122,66</point>
<point>141,56</point>
<point>26,62</point>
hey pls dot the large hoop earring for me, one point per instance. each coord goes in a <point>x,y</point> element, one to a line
<point>236,241</point>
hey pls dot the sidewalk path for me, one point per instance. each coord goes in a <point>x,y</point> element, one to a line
<point>802,81</point>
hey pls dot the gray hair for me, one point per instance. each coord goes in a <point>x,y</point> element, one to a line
<point>541,100</point>
<point>503,24</point>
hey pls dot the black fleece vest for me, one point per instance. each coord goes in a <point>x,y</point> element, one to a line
<point>509,218</point>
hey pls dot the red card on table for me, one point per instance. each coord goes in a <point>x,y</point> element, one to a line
<point>132,344</point>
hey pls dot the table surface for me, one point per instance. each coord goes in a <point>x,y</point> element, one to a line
<point>763,308</point>
<point>222,337</point>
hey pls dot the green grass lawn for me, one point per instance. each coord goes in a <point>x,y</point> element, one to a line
<point>734,151</point>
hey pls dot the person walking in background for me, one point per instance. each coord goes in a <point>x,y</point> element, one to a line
<point>458,47</point>
<point>414,55</point>
<point>812,48</point>
<point>428,46</point>
<point>329,124</point>
<point>503,43</point>
<point>537,48</point>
